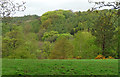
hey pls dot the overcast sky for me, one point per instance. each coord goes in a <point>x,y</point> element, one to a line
<point>39,7</point>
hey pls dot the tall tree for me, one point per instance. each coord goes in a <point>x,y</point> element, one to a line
<point>114,5</point>
<point>104,30</point>
<point>118,48</point>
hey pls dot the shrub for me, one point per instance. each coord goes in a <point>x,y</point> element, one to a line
<point>110,57</point>
<point>100,57</point>
<point>103,57</point>
<point>78,57</point>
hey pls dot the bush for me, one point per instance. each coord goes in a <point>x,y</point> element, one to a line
<point>100,57</point>
<point>103,57</point>
<point>78,57</point>
<point>110,57</point>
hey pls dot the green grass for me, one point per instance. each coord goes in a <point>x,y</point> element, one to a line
<point>0,67</point>
<point>59,67</point>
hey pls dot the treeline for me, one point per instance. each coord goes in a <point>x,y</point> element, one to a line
<point>61,34</point>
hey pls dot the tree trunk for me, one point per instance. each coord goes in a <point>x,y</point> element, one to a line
<point>88,29</point>
<point>103,46</point>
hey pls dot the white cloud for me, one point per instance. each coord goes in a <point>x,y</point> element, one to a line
<point>41,6</point>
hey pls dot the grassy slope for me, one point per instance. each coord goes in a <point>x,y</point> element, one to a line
<point>59,67</point>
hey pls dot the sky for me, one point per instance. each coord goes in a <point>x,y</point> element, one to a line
<point>39,7</point>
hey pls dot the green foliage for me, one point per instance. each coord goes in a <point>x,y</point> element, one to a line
<point>12,40</point>
<point>104,31</point>
<point>37,36</point>
<point>61,21</point>
<point>50,36</point>
<point>53,35</point>
<point>22,53</point>
<point>85,46</point>
<point>35,25</point>
<point>40,34</point>
<point>62,49</point>
<point>15,45</point>
<point>25,50</point>
<point>52,15</point>
<point>0,46</point>
<point>44,51</point>
<point>24,19</point>
<point>67,35</point>
<point>118,37</point>
<point>32,26</point>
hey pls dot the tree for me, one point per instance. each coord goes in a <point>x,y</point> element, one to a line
<point>118,47</point>
<point>18,45</point>
<point>61,21</point>
<point>84,45</point>
<point>104,30</point>
<point>0,46</point>
<point>62,49</point>
<point>114,5</point>
<point>53,35</point>
<point>21,53</point>
<point>45,50</point>
<point>50,36</point>
<point>8,8</point>
<point>11,41</point>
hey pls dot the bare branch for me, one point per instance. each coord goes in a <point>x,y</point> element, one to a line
<point>114,5</point>
<point>9,8</point>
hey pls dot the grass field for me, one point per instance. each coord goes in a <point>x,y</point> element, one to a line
<point>59,67</point>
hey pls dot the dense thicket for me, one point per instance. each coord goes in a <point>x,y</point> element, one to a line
<point>61,34</point>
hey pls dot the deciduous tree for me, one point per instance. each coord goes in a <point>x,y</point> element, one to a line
<point>104,30</point>
<point>62,49</point>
